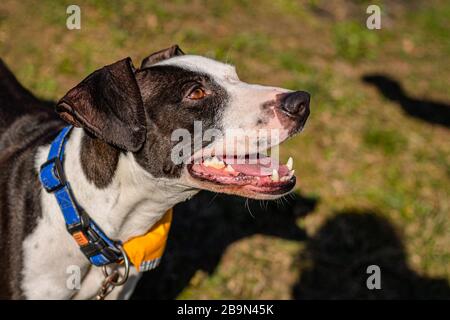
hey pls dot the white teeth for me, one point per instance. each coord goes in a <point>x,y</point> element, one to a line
<point>214,162</point>
<point>229,168</point>
<point>288,177</point>
<point>207,162</point>
<point>290,163</point>
<point>275,177</point>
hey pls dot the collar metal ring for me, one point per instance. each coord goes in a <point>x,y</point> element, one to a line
<point>127,269</point>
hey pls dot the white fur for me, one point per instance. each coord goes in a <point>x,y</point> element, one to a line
<point>131,204</point>
<point>128,207</point>
<point>244,107</point>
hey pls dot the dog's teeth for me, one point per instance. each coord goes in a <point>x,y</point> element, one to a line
<point>207,162</point>
<point>291,173</point>
<point>214,162</point>
<point>275,177</point>
<point>229,168</point>
<point>284,178</point>
<point>218,162</point>
<point>290,163</point>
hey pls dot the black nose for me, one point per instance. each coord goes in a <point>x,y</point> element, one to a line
<point>296,103</point>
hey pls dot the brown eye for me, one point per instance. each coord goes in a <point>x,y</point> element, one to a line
<point>197,94</point>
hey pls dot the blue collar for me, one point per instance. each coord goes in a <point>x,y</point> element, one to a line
<point>95,245</point>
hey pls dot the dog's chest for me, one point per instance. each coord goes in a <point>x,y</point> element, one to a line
<point>53,266</point>
<point>52,258</point>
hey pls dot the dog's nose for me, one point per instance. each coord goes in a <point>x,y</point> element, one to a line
<point>296,103</point>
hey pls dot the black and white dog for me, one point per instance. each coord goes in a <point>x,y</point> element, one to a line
<point>119,159</point>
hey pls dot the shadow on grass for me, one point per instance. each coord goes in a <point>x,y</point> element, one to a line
<point>335,261</point>
<point>205,226</point>
<point>431,111</point>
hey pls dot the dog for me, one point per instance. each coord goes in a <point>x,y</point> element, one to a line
<point>119,159</point>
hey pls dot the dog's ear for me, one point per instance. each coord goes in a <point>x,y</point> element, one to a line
<point>162,55</point>
<point>109,105</point>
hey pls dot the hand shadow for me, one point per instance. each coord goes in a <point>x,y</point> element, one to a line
<point>428,110</point>
<point>205,226</point>
<point>334,264</point>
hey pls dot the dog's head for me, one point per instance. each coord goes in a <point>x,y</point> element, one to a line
<point>190,119</point>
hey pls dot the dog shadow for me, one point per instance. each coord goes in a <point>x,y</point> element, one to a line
<point>205,226</point>
<point>428,110</point>
<point>334,264</point>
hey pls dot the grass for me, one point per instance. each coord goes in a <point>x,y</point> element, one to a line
<point>359,152</point>
<point>388,141</point>
<point>353,41</point>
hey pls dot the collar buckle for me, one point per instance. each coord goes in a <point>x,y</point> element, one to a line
<point>93,242</point>
<point>59,178</point>
<point>90,241</point>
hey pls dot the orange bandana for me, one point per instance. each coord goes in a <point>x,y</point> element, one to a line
<point>145,251</point>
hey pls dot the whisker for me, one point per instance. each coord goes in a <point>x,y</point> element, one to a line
<point>248,207</point>
<point>212,199</point>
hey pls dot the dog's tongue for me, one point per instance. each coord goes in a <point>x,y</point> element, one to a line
<point>252,169</point>
<point>257,167</point>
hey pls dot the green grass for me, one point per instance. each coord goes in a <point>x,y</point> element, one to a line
<point>359,151</point>
<point>389,141</point>
<point>353,41</point>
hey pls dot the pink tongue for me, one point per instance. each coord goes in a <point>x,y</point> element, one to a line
<point>252,169</point>
<point>257,167</point>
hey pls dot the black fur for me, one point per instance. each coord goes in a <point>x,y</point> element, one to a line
<point>108,104</point>
<point>161,55</point>
<point>99,160</point>
<point>144,124</point>
<point>121,109</point>
<point>26,123</point>
<point>163,90</point>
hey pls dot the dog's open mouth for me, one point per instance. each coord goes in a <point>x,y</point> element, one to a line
<point>257,173</point>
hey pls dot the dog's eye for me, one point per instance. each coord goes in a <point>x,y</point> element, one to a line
<point>197,94</point>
